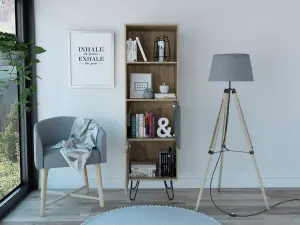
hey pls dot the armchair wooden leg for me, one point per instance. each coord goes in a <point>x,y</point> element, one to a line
<point>99,184</point>
<point>44,190</point>
<point>86,180</point>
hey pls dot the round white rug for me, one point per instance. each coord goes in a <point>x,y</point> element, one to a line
<point>151,215</point>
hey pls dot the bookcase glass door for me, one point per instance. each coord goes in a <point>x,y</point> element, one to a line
<point>177,121</point>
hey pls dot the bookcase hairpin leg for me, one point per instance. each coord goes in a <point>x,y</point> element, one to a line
<point>169,188</point>
<point>134,189</point>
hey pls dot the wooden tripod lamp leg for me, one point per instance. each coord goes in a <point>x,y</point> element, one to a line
<point>221,171</point>
<point>223,142</point>
<point>203,181</point>
<point>212,148</point>
<point>242,119</point>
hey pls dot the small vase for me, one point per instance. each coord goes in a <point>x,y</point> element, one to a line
<point>148,95</point>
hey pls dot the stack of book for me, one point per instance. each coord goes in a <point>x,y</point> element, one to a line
<point>142,169</point>
<point>132,50</point>
<point>166,163</point>
<point>141,125</point>
<point>165,96</point>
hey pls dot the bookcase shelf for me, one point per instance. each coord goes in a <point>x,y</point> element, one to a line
<point>151,139</point>
<point>153,178</point>
<point>160,153</point>
<point>151,63</point>
<point>151,100</point>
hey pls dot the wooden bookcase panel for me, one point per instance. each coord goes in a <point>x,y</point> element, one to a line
<point>151,27</point>
<point>158,109</point>
<point>147,149</point>
<point>149,152</point>
<point>160,73</point>
<point>147,39</point>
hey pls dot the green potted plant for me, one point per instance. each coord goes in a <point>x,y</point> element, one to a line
<point>15,66</point>
<point>148,93</point>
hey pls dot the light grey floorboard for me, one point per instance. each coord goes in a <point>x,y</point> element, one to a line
<point>243,201</point>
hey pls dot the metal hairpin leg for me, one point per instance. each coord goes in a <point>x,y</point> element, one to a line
<point>135,188</point>
<point>169,188</point>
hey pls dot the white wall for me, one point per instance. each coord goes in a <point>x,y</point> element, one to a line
<point>268,30</point>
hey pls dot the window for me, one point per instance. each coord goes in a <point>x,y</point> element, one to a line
<point>10,173</point>
<point>17,172</point>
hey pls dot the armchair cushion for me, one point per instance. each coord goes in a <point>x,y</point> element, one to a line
<point>54,159</point>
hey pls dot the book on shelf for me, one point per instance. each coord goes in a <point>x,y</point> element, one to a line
<point>165,96</point>
<point>141,48</point>
<point>164,166</point>
<point>132,46</point>
<point>131,50</point>
<point>166,163</point>
<point>141,125</point>
<point>142,169</point>
<point>128,123</point>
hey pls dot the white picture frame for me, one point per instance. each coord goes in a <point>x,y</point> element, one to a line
<point>138,82</point>
<point>91,59</point>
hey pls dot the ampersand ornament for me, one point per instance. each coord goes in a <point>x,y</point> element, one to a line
<point>163,123</point>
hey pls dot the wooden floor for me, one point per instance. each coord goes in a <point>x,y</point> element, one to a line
<point>73,211</point>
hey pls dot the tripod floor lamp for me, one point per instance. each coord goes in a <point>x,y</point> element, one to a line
<point>229,67</point>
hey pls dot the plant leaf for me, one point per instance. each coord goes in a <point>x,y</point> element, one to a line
<point>9,43</point>
<point>22,46</point>
<point>35,61</point>
<point>39,50</point>
<point>4,49</point>
<point>19,67</point>
<point>34,88</point>
<point>13,63</point>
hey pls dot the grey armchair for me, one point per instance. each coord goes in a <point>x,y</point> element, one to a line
<point>51,131</point>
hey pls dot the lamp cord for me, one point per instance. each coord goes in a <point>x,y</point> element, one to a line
<point>225,149</point>
<point>234,214</point>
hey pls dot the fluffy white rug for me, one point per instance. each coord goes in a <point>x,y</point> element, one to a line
<point>151,215</point>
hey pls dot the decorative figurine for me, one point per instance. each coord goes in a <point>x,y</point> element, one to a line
<point>161,51</point>
<point>163,123</point>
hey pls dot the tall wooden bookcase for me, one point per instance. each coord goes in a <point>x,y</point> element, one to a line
<point>145,149</point>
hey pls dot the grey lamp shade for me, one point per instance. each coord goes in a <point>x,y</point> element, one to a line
<point>231,67</point>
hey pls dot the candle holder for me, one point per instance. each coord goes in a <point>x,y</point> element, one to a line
<point>161,50</point>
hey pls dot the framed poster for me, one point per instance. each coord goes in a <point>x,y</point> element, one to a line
<point>138,83</point>
<point>91,59</point>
